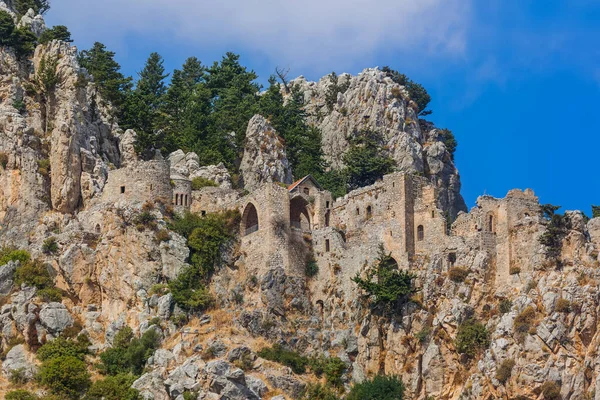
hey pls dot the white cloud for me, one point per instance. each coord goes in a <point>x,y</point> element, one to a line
<point>309,33</point>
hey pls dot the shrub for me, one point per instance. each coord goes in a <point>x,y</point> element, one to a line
<point>58,32</point>
<point>449,141</point>
<point>514,270</point>
<point>145,219</point>
<point>162,235</point>
<point>3,159</point>
<point>595,211</point>
<point>311,269</point>
<point>179,319</point>
<point>129,354</point>
<point>366,161</point>
<point>50,294</point>
<point>288,358</point>
<point>65,376</point>
<point>50,246</point>
<point>333,368</point>
<point>505,306</point>
<point>379,388</point>
<point>551,390</point>
<point>17,376</point>
<point>563,305</point>
<point>200,182</point>
<point>154,321</point>
<point>10,254</point>
<point>39,6</point>
<point>423,334</point>
<point>458,274</point>
<point>246,362</point>
<point>61,347</point>
<point>524,321</point>
<point>556,229</point>
<point>44,167</point>
<point>159,289</point>
<point>385,283</point>
<point>472,337</point>
<point>116,387</point>
<point>319,392</point>
<point>504,371</point>
<point>33,273</point>
<point>20,395</point>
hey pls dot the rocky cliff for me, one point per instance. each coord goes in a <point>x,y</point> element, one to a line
<point>111,260</point>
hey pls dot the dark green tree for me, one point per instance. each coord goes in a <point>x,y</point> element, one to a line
<point>379,388</point>
<point>58,32</point>
<point>472,337</point>
<point>595,211</point>
<point>557,227</point>
<point>116,387</point>
<point>449,141</point>
<point>39,6</point>
<point>111,83</point>
<point>65,376</point>
<point>143,106</point>
<point>24,41</point>
<point>7,27</point>
<point>234,98</point>
<point>416,92</point>
<point>365,160</point>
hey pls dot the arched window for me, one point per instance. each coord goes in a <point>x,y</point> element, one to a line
<point>490,223</point>
<point>432,214</point>
<point>420,233</point>
<point>249,219</point>
<point>186,200</point>
<point>369,212</point>
<point>299,217</point>
<point>98,228</point>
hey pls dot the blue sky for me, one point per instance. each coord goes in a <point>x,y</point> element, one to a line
<point>517,81</point>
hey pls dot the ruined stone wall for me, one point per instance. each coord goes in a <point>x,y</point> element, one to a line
<point>214,199</point>
<point>182,194</point>
<point>140,182</point>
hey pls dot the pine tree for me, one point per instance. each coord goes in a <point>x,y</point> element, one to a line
<point>111,83</point>
<point>39,6</point>
<point>7,27</point>
<point>142,107</point>
<point>235,98</point>
<point>365,160</point>
<point>58,32</point>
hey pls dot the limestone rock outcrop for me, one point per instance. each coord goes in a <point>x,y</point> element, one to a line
<point>188,166</point>
<point>372,100</point>
<point>264,156</point>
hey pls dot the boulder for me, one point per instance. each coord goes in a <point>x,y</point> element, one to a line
<point>19,359</point>
<point>55,317</point>
<point>6,274</point>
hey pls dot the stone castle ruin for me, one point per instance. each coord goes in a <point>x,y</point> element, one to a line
<point>290,226</point>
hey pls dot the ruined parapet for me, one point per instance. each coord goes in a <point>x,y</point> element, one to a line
<point>182,193</point>
<point>214,199</point>
<point>139,182</point>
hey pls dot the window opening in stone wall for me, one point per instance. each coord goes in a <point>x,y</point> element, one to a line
<point>151,187</point>
<point>306,191</point>
<point>203,213</point>
<point>327,219</point>
<point>357,211</point>
<point>432,214</point>
<point>420,233</point>
<point>186,200</point>
<point>98,228</point>
<point>369,212</point>
<point>299,217</point>
<point>326,204</point>
<point>327,245</point>
<point>451,259</point>
<point>491,223</point>
<point>249,219</point>
<point>176,199</point>
<point>122,189</point>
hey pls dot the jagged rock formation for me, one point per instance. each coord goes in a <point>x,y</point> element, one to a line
<point>264,156</point>
<point>371,100</point>
<point>188,165</point>
<point>69,172</point>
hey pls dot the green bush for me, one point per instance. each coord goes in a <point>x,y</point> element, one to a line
<point>50,294</point>
<point>595,211</point>
<point>145,219</point>
<point>44,167</point>
<point>61,347</point>
<point>366,161</point>
<point>129,354</point>
<point>379,388</point>
<point>33,273</point>
<point>449,141</point>
<point>21,108</point>
<point>200,182</point>
<point>116,387</point>
<point>7,28</point>
<point>17,376</point>
<point>20,395</point>
<point>288,358</point>
<point>556,229</point>
<point>505,306</point>
<point>333,368</point>
<point>319,392</point>
<point>311,269</point>
<point>551,390</point>
<point>472,337</point>
<point>50,246</point>
<point>65,376</point>
<point>8,254</point>
<point>385,283</point>
<point>458,274</point>
<point>39,6</point>
<point>524,321</point>
<point>504,371</point>
<point>423,334</point>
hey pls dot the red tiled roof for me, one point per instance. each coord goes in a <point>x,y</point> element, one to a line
<point>299,181</point>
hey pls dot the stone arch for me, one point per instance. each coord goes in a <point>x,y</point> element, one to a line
<point>369,212</point>
<point>98,228</point>
<point>420,233</point>
<point>249,219</point>
<point>299,215</point>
